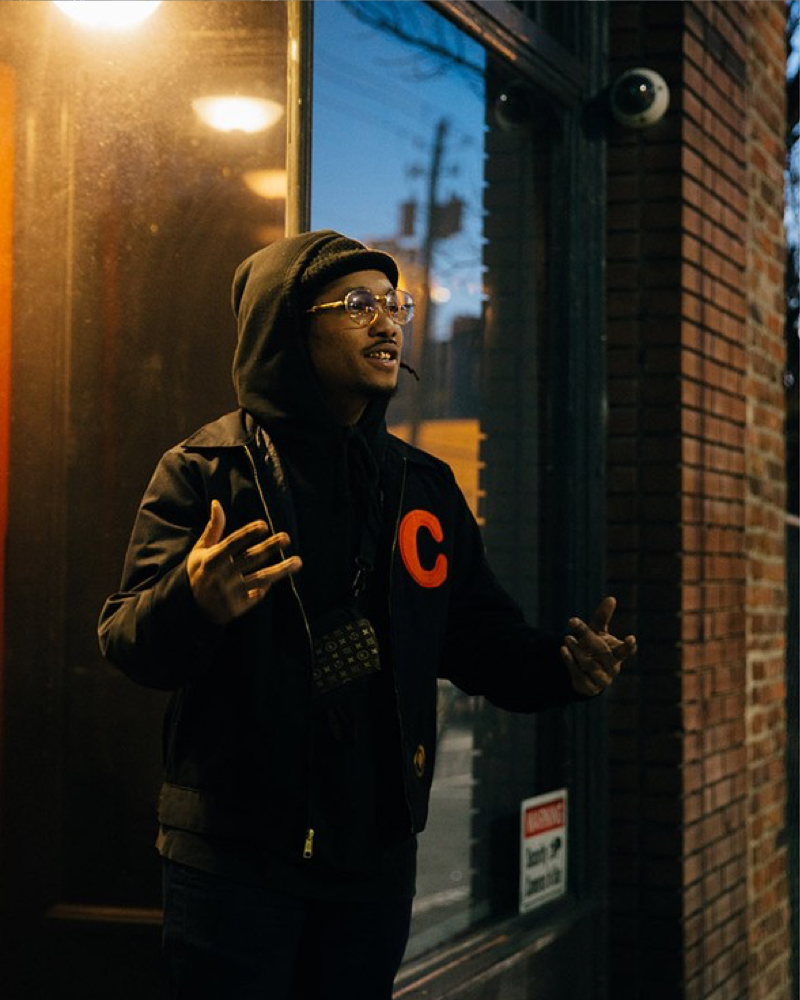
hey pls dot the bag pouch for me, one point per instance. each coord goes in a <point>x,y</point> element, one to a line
<point>345,648</point>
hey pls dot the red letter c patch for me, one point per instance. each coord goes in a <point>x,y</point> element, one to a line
<point>407,537</point>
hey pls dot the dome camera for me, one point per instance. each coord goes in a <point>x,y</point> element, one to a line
<point>520,107</point>
<point>513,107</point>
<point>639,97</point>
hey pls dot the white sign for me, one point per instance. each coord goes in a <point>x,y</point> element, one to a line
<point>543,840</point>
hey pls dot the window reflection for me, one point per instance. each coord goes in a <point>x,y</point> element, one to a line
<point>416,163</point>
<point>408,155</point>
<point>132,213</point>
<point>406,129</point>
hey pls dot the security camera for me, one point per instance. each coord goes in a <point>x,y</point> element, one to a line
<point>639,97</point>
<point>512,107</point>
<point>520,107</point>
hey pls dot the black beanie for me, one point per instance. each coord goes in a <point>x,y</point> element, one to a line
<point>339,256</point>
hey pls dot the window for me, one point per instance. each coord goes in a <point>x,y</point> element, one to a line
<point>139,187</point>
<point>426,145</point>
<point>132,205</point>
<point>398,151</point>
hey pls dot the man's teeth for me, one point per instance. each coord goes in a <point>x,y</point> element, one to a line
<point>381,355</point>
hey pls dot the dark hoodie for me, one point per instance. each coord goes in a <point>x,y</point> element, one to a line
<point>333,474</point>
<point>272,370</point>
<point>333,471</point>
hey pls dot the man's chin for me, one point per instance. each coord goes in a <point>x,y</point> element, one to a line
<point>383,392</point>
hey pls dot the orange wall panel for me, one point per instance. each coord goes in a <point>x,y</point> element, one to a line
<point>7,107</point>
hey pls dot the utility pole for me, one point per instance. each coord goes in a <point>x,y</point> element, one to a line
<point>421,348</point>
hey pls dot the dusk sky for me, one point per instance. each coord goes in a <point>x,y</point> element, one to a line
<point>377,102</point>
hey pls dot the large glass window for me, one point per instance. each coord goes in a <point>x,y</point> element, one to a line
<point>150,160</point>
<point>128,198</point>
<point>425,146</point>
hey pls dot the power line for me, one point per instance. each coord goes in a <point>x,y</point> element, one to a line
<point>417,107</point>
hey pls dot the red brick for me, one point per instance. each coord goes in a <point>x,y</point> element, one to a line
<point>707,364</point>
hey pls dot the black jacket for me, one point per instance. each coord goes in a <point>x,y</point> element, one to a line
<point>237,735</point>
<point>237,730</point>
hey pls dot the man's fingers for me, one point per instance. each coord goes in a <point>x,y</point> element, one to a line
<point>245,537</point>
<point>601,674</point>
<point>580,681</point>
<point>590,643</point>
<point>601,616</point>
<point>229,576</point>
<point>625,648</point>
<point>229,549</point>
<point>262,554</point>
<point>213,531</point>
<point>588,660</point>
<point>265,578</point>
<point>593,656</point>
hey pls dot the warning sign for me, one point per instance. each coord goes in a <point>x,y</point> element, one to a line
<point>543,862</point>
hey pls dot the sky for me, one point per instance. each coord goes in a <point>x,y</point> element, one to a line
<point>377,101</point>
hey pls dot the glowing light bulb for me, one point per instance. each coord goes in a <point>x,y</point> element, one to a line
<point>266,183</point>
<point>116,14</point>
<point>233,113</point>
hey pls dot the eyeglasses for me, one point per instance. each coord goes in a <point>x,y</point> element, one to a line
<point>362,305</point>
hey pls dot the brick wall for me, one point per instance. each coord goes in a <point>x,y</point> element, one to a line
<point>713,218</point>
<point>694,327</point>
<point>765,504</point>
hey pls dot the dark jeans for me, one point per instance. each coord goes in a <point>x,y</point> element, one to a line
<point>225,940</point>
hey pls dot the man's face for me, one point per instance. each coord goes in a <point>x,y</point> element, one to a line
<point>354,363</point>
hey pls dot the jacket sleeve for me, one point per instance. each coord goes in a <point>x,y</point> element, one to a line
<point>490,649</point>
<point>152,629</point>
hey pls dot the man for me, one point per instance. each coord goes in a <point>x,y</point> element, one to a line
<point>299,579</point>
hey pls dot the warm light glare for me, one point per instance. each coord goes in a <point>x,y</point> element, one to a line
<point>108,13</point>
<point>232,113</point>
<point>267,183</point>
<point>440,294</point>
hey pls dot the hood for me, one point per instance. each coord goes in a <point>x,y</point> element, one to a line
<point>272,371</point>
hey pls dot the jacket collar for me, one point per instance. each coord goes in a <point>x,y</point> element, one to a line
<point>238,428</point>
<point>231,431</point>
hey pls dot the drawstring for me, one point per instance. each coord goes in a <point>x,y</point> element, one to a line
<point>366,478</point>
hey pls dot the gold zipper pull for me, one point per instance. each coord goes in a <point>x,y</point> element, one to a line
<point>308,847</point>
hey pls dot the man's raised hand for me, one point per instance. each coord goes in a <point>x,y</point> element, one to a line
<point>229,577</point>
<point>592,655</point>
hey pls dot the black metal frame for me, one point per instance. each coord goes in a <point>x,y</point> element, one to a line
<point>299,95</point>
<point>522,43</point>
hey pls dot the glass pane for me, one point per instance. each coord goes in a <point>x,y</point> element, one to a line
<point>409,155</point>
<point>427,139</point>
<point>559,20</point>
<point>137,196</point>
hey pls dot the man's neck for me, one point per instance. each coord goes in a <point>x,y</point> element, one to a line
<point>346,412</point>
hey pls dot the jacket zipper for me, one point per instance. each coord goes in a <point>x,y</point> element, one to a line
<point>308,843</point>
<point>391,631</point>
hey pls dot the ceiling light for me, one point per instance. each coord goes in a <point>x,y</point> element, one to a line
<point>234,113</point>
<point>267,183</point>
<point>108,13</point>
